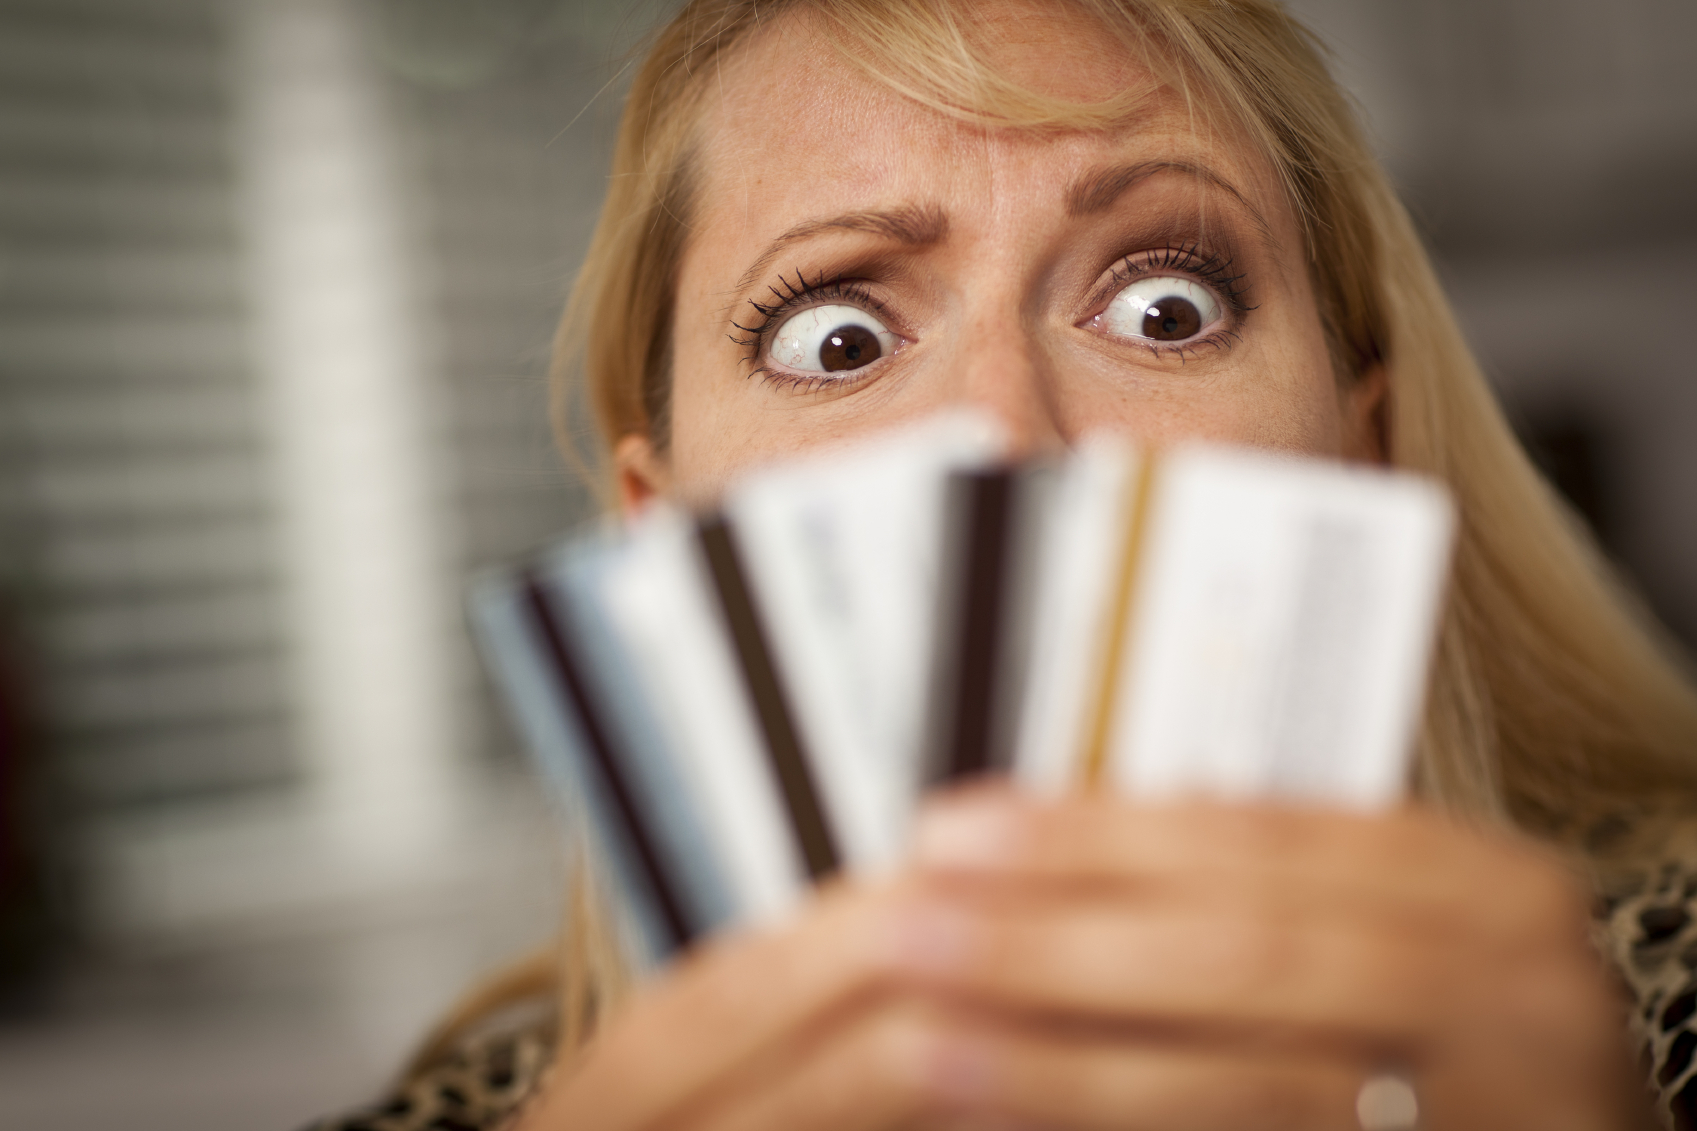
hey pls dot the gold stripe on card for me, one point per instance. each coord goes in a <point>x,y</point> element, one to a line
<point>1119,626</point>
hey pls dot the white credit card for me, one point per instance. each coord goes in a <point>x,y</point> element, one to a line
<point>696,685</point>
<point>568,684</point>
<point>740,702</point>
<point>1277,635</point>
<point>1077,561</point>
<point>576,574</point>
<point>661,601</point>
<point>843,551</point>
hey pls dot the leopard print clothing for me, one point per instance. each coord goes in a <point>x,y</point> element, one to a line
<point>1647,927</point>
<point>481,1086</point>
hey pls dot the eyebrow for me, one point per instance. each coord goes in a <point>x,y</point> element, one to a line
<point>1100,189</point>
<point>911,225</point>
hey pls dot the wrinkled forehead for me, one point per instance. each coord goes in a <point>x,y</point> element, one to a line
<point>794,125</point>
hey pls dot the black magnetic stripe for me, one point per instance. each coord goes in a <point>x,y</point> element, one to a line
<point>988,505</point>
<point>777,723</point>
<point>595,734</point>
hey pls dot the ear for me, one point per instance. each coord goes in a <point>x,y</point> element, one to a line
<point>1366,404</point>
<point>641,471</point>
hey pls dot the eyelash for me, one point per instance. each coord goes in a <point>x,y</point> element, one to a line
<point>1191,258</point>
<point>795,296</point>
<point>1194,260</point>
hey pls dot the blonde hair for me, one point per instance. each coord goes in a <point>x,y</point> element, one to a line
<point>1553,700</point>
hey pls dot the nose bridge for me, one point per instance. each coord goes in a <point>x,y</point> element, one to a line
<point>1000,367</point>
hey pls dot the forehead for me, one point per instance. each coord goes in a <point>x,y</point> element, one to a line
<point>792,127</point>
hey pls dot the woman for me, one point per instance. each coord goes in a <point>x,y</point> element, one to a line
<point>827,216</point>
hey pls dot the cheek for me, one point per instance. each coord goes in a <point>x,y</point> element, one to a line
<point>713,416</point>
<point>1278,394</point>
<point>707,428</point>
<point>721,421</point>
<point>1307,415</point>
<point>1286,397</point>
<point>1302,411</point>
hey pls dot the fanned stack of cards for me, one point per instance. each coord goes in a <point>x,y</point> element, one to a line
<point>740,702</point>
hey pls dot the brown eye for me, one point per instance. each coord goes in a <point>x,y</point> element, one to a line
<point>1172,320</point>
<point>849,347</point>
<point>1165,308</point>
<point>831,339</point>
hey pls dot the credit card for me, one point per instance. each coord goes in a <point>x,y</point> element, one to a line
<point>1079,541</point>
<point>572,689</point>
<point>993,531</point>
<point>843,550</point>
<point>1262,626</point>
<point>738,703</point>
<point>664,604</point>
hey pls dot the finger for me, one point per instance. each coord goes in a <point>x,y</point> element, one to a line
<point>990,829</point>
<point>725,1006</point>
<point>889,1067</point>
<point>1082,1082</point>
<point>1233,968</point>
<point>1408,862</point>
<point>910,1065</point>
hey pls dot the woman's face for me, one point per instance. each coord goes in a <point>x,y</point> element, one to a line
<point>857,260</point>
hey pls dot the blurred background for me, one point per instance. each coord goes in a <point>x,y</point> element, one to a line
<point>277,285</point>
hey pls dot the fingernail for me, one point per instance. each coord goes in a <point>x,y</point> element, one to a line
<point>965,835</point>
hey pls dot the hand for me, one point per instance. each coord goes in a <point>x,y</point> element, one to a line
<point>802,1026</point>
<point>1270,959</point>
<point>1093,963</point>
